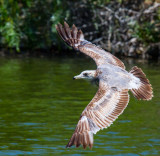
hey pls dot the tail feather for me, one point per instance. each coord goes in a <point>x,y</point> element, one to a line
<point>144,92</point>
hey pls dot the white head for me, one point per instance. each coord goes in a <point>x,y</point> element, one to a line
<point>87,74</point>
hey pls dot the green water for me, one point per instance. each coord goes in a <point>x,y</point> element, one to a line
<point>40,106</point>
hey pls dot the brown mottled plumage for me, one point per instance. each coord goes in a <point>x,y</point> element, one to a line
<point>114,83</point>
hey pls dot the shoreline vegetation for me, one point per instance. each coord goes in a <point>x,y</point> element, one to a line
<point>128,28</point>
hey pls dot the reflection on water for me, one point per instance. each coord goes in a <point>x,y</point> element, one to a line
<point>41,104</point>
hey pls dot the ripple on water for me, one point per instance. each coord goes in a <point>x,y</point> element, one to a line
<point>41,104</point>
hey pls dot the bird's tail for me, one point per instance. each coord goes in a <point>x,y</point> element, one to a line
<point>144,92</point>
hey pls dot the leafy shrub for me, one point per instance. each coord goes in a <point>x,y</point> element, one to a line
<point>27,23</point>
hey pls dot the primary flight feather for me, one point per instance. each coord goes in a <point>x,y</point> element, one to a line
<point>114,83</point>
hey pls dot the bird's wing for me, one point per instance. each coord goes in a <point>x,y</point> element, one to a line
<point>100,113</point>
<point>75,38</point>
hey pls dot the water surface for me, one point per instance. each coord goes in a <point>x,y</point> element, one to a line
<point>41,104</point>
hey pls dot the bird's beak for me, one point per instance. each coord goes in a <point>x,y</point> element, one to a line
<point>77,77</point>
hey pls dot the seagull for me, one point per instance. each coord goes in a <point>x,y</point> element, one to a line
<point>114,83</point>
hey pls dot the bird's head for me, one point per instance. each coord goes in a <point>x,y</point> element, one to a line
<point>87,74</point>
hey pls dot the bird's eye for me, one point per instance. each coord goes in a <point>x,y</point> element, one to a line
<point>85,74</point>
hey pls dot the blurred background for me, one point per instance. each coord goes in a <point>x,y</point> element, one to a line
<point>40,104</point>
<point>123,27</point>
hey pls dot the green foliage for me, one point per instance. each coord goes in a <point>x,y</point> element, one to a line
<point>10,36</point>
<point>27,23</point>
<point>31,24</point>
<point>147,32</point>
<point>8,24</point>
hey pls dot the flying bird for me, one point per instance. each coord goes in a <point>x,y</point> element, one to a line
<point>114,83</point>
